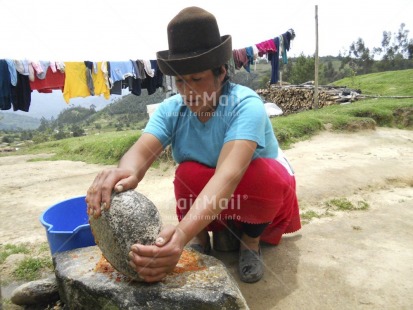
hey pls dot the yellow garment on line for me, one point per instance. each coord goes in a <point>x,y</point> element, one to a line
<point>99,82</point>
<point>76,82</point>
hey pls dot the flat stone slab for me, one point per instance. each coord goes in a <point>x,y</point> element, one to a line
<point>87,281</point>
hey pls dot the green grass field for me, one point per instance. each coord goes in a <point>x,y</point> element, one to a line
<point>389,83</point>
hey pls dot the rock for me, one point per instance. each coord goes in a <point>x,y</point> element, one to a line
<point>131,218</point>
<point>199,282</point>
<point>40,292</point>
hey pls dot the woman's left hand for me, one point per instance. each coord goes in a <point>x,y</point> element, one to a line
<point>153,262</point>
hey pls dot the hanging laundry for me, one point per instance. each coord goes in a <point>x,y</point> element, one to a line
<point>13,71</point>
<point>116,88</point>
<point>152,83</point>
<point>99,80</point>
<point>89,80</point>
<point>150,71</point>
<point>75,81</point>
<point>274,58</point>
<point>21,93</point>
<point>250,57</point>
<point>52,80</point>
<point>60,66</point>
<point>82,79</point>
<point>287,37</point>
<point>240,58</point>
<point>37,67</point>
<point>140,75</point>
<point>141,69</point>
<point>25,67</point>
<point>45,66</point>
<point>169,85</point>
<point>266,47</point>
<point>5,86</point>
<point>105,69</point>
<point>120,70</point>
<point>255,51</point>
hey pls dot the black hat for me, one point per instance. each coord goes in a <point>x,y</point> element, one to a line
<point>195,44</point>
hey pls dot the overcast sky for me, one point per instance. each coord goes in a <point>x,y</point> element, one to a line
<point>119,30</point>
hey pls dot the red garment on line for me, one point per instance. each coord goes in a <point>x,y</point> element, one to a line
<point>266,47</point>
<point>52,81</point>
<point>265,194</point>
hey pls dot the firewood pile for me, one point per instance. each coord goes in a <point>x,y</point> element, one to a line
<point>296,98</point>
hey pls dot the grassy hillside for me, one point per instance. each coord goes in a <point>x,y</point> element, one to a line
<point>390,83</point>
<point>107,148</point>
<point>10,121</point>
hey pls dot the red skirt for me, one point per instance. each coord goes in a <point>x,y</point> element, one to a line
<point>265,194</point>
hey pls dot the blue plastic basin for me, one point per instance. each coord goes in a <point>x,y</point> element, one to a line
<point>67,225</point>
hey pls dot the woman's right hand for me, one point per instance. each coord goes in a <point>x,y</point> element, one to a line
<point>99,193</point>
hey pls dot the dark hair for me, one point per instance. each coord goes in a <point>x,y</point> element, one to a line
<point>217,71</point>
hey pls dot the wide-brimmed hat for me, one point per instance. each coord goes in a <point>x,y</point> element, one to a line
<point>195,44</point>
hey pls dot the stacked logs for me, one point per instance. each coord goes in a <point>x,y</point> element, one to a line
<point>296,98</point>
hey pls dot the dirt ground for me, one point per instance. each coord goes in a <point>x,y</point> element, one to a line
<point>346,260</point>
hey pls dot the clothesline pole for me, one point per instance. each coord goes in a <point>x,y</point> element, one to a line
<point>316,61</point>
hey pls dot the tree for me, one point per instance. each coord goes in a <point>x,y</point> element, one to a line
<point>7,139</point>
<point>395,50</point>
<point>362,59</point>
<point>44,124</point>
<point>402,41</point>
<point>385,44</point>
<point>410,50</point>
<point>77,131</point>
<point>26,135</point>
<point>300,70</point>
<point>60,133</point>
<point>329,73</point>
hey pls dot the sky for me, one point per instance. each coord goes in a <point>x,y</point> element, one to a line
<point>74,30</point>
<point>129,29</point>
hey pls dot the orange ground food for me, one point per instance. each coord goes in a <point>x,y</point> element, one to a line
<point>104,266</point>
<point>189,261</point>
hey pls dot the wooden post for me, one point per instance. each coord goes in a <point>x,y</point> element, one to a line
<point>316,61</point>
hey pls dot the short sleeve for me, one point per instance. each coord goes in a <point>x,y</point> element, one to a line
<point>247,121</point>
<point>161,123</point>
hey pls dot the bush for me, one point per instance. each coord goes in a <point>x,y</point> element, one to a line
<point>77,131</point>
<point>7,139</point>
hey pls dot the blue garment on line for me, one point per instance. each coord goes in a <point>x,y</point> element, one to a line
<point>275,64</point>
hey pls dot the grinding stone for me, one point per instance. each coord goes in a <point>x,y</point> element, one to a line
<point>132,218</point>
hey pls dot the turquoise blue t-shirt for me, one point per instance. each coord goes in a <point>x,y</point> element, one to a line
<point>240,115</point>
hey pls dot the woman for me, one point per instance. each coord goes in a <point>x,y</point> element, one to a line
<point>230,166</point>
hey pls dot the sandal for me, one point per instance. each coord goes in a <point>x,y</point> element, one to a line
<point>250,266</point>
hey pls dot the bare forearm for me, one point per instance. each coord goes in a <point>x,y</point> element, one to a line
<point>141,155</point>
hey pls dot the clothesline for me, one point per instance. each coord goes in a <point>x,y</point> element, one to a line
<point>18,78</point>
